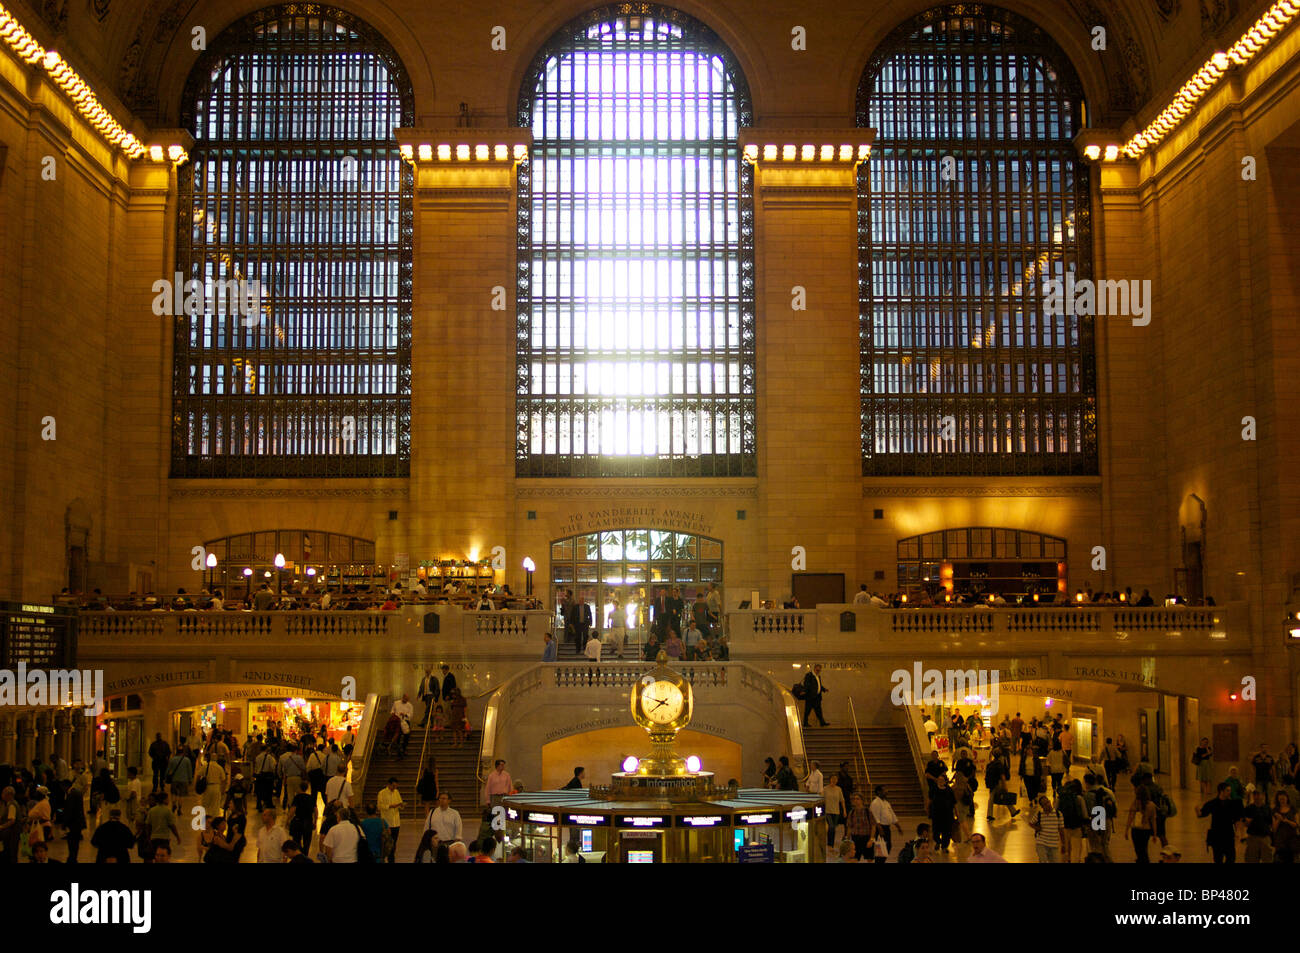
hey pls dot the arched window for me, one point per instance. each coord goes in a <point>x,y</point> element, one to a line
<point>295,182</point>
<point>974,197</point>
<point>636,272</point>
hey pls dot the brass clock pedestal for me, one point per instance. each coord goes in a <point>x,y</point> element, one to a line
<point>663,812</point>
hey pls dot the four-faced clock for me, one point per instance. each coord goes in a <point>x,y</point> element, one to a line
<point>662,702</point>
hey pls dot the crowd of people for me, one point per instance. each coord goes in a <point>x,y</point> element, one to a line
<point>305,596</point>
<point>1036,757</point>
<point>937,597</point>
<point>643,626</point>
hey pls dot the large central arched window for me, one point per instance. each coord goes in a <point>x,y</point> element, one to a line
<point>974,197</point>
<point>636,284</point>
<point>295,183</point>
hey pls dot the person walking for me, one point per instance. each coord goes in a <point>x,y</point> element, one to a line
<point>1141,823</point>
<point>390,804</point>
<point>444,820</point>
<point>882,812</point>
<point>834,796</point>
<point>1224,813</point>
<point>1047,825</point>
<point>428,693</point>
<point>860,828</point>
<point>160,753</point>
<point>943,812</point>
<point>813,690</point>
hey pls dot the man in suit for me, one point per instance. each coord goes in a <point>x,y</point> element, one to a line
<point>448,681</point>
<point>428,693</point>
<point>676,605</point>
<point>813,690</point>
<point>581,623</point>
<point>660,606</point>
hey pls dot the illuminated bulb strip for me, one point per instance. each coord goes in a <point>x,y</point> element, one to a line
<point>809,152</point>
<point>81,96</point>
<point>1274,20</point>
<point>464,152</point>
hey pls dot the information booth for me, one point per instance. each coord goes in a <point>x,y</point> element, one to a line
<point>664,809</point>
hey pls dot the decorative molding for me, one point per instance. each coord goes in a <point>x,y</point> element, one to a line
<point>101,8</point>
<point>256,493</point>
<point>596,492</point>
<point>1070,489</point>
<point>1168,9</point>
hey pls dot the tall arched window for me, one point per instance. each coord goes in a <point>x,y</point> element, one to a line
<point>636,275</point>
<point>295,183</point>
<point>973,198</point>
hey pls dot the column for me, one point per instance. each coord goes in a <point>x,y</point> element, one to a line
<point>809,435</point>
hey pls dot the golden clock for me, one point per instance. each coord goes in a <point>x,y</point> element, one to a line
<point>662,700</point>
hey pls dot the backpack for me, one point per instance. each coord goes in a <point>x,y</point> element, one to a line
<point>364,856</point>
<point>1107,801</point>
<point>797,691</point>
<point>908,853</point>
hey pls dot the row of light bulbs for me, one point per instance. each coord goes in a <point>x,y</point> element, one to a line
<point>1240,53</point>
<point>87,103</point>
<point>464,152</point>
<point>807,153</point>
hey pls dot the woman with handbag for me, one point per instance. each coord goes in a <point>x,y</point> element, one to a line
<point>1141,823</point>
<point>1203,758</point>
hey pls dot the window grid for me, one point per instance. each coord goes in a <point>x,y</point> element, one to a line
<point>962,372</point>
<point>635,335</point>
<point>296,182</point>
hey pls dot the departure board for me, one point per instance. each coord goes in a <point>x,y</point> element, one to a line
<point>40,636</point>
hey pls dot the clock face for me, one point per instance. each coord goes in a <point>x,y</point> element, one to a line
<point>662,702</point>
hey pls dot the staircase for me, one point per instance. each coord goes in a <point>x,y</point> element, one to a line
<point>889,761</point>
<point>457,774</point>
<point>567,652</point>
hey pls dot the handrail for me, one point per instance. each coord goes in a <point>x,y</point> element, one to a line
<point>919,754</point>
<point>369,733</point>
<point>862,757</point>
<point>424,747</point>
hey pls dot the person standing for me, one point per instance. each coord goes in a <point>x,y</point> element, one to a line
<point>1224,814</point>
<point>1203,759</point>
<point>179,773</point>
<point>813,690</point>
<point>444,820</point>
<point>448,683</point>
<point>1263,763</point>
<point>882,812</point>
<point>338,791</point>
<point>11,827</point>
<point>548,648</point>
<point>428,693</point>
<point>1259,830</point>
<point>213,776</point>
<point>815,783</point>
<point>943,812</point>
<point>271,838</point>
<point>860,828</point>
<point>159,754</point>
<point>581,619</point>
<point>390,809</point>
<point>834,796</point>
<point>593,646</point>
<point>292,770</point>
<point>264,770</point>
<point>341,843</point>
<point>498,783</point>
<point>579,780</point>
<point>1141,823</point>
<point>74,821</point>
<point>785,779</point>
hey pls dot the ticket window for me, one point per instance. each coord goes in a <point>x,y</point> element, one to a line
<point>541,842</point>
<point>641,847</point>
<point>593,842</point>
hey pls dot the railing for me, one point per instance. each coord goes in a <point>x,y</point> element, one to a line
<point>861,625</point>
<point>365,743</point>
<point>862,756</point>
<point>626,674</point>
<point>507,628</point>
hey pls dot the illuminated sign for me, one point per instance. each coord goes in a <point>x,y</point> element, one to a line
<point>28,607</point>
<point>755,818</point>
<point>512,814</point>
<point>798,814</point>
<point>818,810</point>
<point>630,821</point>
<point>703,820</point>
<point>537,817</point>
<point>586,820</point>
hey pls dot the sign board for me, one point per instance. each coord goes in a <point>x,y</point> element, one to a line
<point>757,854</point>
<point>39,635</point>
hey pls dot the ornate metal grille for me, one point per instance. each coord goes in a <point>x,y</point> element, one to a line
<point>635,335</point>
<point>973,198</point>
<point>296,183</point>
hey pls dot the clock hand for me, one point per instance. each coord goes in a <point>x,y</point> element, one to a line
<point>659,702</point>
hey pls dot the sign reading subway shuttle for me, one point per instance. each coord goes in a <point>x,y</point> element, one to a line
<point>40,636</point>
